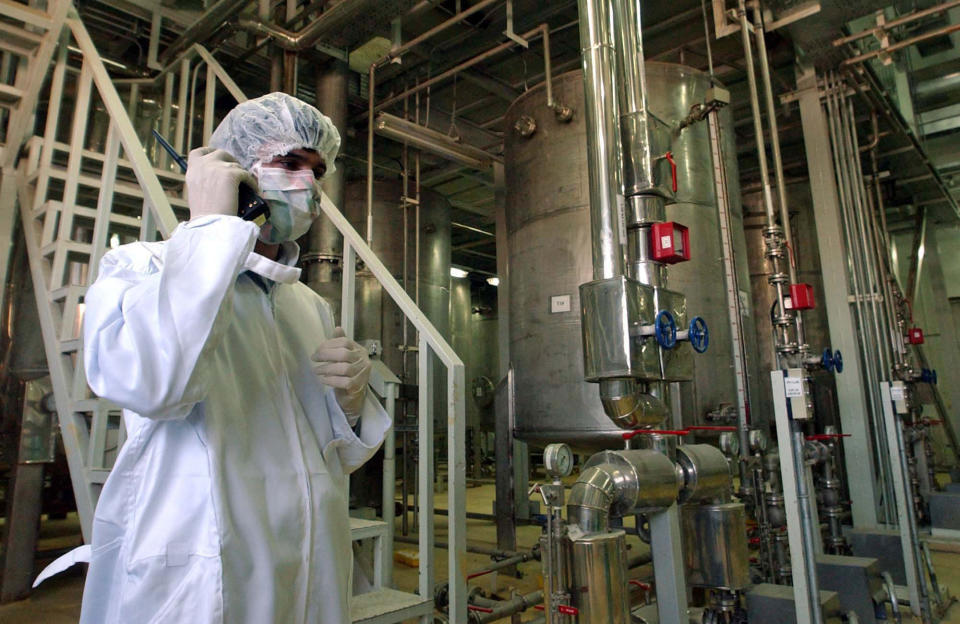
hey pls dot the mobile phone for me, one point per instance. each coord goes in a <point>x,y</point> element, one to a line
<point>251,207</point>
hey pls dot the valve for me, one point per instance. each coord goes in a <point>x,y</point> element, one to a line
<point>699,334</point>
<point>827,360</point>
<point>673,169</point>
<point>665,329</point>
<point>820,437</point>
<point>832,361</point>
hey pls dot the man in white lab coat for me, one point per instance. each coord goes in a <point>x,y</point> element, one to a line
<point>246,409</point>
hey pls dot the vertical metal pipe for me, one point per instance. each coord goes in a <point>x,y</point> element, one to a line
<point>603,136</point>
<point>758,31</point>
<point>325,242</point>
<point>371,100</point>
<point>779,329</point>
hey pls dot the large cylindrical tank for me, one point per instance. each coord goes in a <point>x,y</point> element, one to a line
<point>548,224</point>
<point>473,336</point>
<point>377,316</point>
<point>807,259</point>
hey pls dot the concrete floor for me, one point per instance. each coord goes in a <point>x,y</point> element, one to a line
<point>57,601</point>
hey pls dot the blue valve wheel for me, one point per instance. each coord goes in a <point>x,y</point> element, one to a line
<point>665,329</point>
<point>827,360</point>
<point>699,334</point>
<point>838,361</point>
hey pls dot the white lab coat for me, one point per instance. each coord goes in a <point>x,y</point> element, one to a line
<point>228,501</point>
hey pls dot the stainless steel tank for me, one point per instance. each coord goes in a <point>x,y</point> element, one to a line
<point>548,225</point>
<point>377,317</point>
<point>804,253</point>
<point>473,335</point>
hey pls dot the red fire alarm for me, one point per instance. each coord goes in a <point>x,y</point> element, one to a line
<point>670,242</point>
<point>801,297</point>
<point>915,335</point>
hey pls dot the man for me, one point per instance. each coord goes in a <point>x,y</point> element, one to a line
<point>246,409</point>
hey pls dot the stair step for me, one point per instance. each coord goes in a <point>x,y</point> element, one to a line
<point>86,405</point>
<point>61,293</point>
<point>97,475</point>
<point>71,346</point>
<point>17,40</point>
<point>385,606</point>
<point>361,528</point>
<point>9,95</point>
<point>23,13</point>
<point>71,247</point>
<point>120,188</point>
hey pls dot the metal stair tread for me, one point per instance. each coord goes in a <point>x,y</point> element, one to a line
<point>18,40</point>
<point>70,346</point>
<point>9,94</point>
<point>387,605</point>
<point>74,247</point>
<point>61,293</point>
<point>361,528</point>
<point>122,162</point>
<point>23,13</point>
<point>120,188</point>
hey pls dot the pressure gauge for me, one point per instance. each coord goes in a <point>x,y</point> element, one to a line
<point>758,441</point>
<point>558,460</point>
<point>730,443</point>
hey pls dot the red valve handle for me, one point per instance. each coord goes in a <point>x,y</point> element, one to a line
<point>631,434</point>
<point>673,169</point>
<point>641,584</point>
<point>568,610</point>
<point>538,607</point>
<point>710,428</point>
<point>934,421</point>
<point>827,436</point>
<point>480,609</point>
<point>754,540</point>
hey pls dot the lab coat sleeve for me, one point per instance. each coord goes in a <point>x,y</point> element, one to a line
<point>356,445</point>
<point>149,324</point>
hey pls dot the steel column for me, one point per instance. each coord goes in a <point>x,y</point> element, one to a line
<point>850,393</point>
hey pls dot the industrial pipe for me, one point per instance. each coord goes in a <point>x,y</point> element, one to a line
<point>627,404</point>
<point>335,19</point>
<point>506,608</point>
<point>603,135</point>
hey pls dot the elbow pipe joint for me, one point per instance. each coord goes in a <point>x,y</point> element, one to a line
<point>628,406</point>
<point>620,483</point>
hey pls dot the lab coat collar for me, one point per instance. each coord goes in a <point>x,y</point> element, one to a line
<point>282,270</point>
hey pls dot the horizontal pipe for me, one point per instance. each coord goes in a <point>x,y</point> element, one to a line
<point>937,32</point>
<point>900,21</point>
<point>473,548</point>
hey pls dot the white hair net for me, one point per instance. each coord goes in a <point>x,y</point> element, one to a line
<point>261,129</point>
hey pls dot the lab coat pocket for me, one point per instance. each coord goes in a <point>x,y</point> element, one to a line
<point>175,589</point>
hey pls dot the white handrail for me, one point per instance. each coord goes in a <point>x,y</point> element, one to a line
<point>430,340</point>
<point>142,168</point>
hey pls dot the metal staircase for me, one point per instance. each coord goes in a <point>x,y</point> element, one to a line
<point>87,183</point>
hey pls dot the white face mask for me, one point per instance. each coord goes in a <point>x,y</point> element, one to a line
<point>292,197</point>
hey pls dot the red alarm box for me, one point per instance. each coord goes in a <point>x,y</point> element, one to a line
<point>669,242</point>
<point>801,297</point>
<point>915,335</point>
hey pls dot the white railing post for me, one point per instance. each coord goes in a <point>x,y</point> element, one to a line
<point>348,301</point>
<point>425,470</point>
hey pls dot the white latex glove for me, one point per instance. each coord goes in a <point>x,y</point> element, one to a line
<point>212,179</point>
<point>343,365</point>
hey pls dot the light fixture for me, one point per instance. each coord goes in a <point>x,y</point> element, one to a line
<point>493,281</point>
<point>429,140</point>
<point>455,272</point>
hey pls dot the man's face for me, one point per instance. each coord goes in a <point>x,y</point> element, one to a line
<point>300,160</point>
